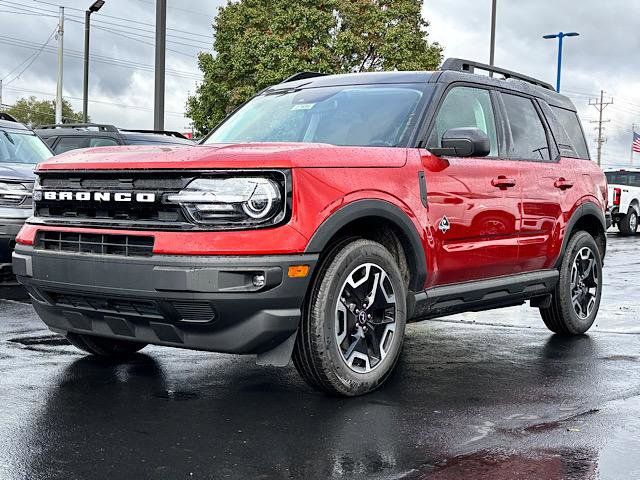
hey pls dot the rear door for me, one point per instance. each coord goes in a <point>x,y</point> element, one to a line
<point>473,203</point>
<point>549,189</point>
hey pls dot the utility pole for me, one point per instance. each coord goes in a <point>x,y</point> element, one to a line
<point>600,106</point>
<point>60,66</point>
<point>0,94</point>
<point>161,40</point>
<point>492,48</point>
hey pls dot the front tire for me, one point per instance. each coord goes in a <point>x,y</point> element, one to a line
<point>104,347</point>
<point>629,223</point>
<point>576,299</point>
<point>352,330</point>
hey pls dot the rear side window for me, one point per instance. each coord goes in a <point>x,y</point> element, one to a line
<point>571,124</point>
<point>528,136</point>
<point>466,107</point>
<point>631,179</point>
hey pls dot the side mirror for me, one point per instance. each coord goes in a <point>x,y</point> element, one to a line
<point>463,142</point>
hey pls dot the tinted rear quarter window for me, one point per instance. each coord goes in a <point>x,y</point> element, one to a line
<point>571,124</point>
<point>631,179</point>
<point>528,136</point>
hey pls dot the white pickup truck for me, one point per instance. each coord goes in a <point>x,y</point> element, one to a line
<point>624,199</point>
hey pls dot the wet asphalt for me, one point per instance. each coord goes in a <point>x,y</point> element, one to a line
<point>490,395</point>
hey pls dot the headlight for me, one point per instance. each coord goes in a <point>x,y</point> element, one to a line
<point>233,202</point>
<point>13,193</point>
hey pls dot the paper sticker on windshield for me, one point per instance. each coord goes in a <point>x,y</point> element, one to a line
<point>303,106</point>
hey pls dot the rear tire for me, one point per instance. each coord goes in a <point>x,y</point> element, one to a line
<point>629,223</point>
<point>104,347</point>
<point>352,330</point>
<point>576,299</point>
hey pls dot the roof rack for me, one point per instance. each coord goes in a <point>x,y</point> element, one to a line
<point>168,133</point>
<point>303,76</point>
<point>100,126</point>
<point>7,117</point>
<point>468,66</point>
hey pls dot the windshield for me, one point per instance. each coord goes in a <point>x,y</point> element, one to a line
<point>359,115</point>
<point>22,147</point>
<point>623,178</point>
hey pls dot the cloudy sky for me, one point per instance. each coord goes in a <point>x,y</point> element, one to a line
<point>604,57</point>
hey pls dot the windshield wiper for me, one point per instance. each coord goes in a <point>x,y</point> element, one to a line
<point>9,138</point>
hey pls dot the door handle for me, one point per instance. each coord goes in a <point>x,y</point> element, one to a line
<point>503,182</point>
<point>563,184</point>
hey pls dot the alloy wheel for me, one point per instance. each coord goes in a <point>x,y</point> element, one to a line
<point>584,283</point>
<point>365,318</point>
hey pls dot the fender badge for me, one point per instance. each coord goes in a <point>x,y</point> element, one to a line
<point>444,225</point>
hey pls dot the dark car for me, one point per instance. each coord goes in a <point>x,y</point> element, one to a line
<point>65,137</point>
<point>20,151</point>
<point>320,218</point>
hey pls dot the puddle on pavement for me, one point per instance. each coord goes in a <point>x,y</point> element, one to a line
<point>548,465</point>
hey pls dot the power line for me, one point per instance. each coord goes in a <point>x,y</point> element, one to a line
<point>33,57</point>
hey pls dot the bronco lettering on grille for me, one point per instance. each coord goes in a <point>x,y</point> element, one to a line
<point>101,196</point>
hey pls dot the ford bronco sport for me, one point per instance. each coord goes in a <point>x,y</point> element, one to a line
<point>320,218</point>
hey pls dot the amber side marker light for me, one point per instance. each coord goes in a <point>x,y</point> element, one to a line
<point>298,271</point>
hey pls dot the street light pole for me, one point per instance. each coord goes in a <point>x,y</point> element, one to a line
<point>161,40</point>
<point>492,48</point>
<point>560,36</point>
<point>97,5</point>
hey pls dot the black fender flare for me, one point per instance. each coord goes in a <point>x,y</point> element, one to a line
<point>586,209</point>
<point>361,209</point>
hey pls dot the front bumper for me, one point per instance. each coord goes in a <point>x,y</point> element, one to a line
<point>9,228</point>
<point>201,303</point>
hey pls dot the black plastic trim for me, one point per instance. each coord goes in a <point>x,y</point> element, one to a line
<point>423,189</point>
<point>481,295</point>
<point>375,208</point>
<point>586,209</point>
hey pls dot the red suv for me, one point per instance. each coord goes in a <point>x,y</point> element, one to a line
<point>320,218</point>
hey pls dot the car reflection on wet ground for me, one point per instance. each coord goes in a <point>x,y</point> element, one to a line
<point>489,395</point>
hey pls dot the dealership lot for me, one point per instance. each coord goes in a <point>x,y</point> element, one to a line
<point>486,395</point>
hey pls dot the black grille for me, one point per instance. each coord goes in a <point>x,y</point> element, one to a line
<point>194,312</point>
<point>97,244</point>
<point>139,215</point>
<point>106,305</point>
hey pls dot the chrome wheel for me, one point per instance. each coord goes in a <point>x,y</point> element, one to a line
<point>584,283</point>
<point>633,222</point>
<point>365,318</point>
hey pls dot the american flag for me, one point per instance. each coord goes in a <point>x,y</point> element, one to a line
<point>636,142</point>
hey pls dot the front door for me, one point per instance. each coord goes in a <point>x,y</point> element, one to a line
<point>473,203</point>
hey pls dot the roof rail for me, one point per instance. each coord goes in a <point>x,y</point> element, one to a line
<point>100,126</point>
<point>468,66</point>
<point>303,76</point>
<point>168,133</point>
<point>7,117</point>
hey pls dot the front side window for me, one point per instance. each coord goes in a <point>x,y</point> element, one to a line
<point>19,147</point>
<point>355,115</point>
<point>465,107</point>
<point>569,120</point>
<point>528,136</point>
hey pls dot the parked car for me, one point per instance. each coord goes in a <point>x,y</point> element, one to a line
<point>624,199</point>
<point>320,218</point>
<point>65,137</point>
<point>20,151</point>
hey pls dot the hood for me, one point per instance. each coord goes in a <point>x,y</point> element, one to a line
<point>17,171</point>
<point>236,156</point>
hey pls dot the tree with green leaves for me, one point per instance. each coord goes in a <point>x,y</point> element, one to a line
<point>259,43</point>
<point>34,112</point>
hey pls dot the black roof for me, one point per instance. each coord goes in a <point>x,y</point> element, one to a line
<point>452,70</point>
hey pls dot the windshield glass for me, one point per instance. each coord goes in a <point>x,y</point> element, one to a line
<point>358,115</point>
<point>19,147</point>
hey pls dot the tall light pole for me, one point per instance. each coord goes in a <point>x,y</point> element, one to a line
<point>560,36</point>
<point>161,40</point>
<point>97,5</point>
<point>492,48</point>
